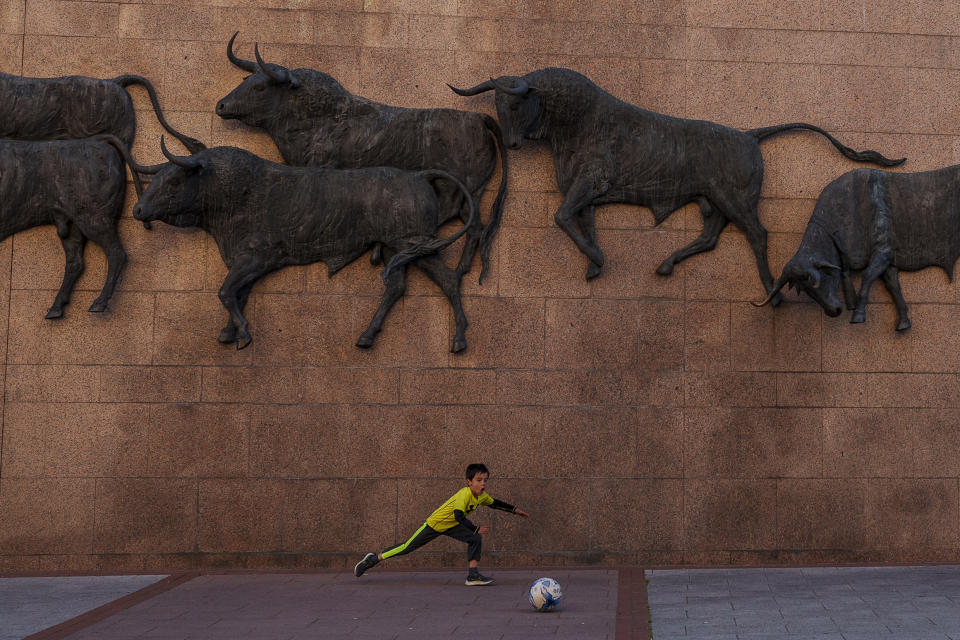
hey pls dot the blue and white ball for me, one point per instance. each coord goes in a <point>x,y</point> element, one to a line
<point>545,594</point>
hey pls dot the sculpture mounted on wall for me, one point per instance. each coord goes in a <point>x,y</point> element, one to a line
<point>879,223</point>
<point>265,216</point>
<point>315,122</point>
<point>606,151</point>
<point>76,185</point>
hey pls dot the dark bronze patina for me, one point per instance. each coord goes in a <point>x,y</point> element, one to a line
<point>606,150</point>
<point>315,122</point>
<point>265,216</point>
<point>878,223</point>
<point>76,185</point>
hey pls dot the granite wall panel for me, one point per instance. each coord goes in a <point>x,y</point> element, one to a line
<point>716,432</point>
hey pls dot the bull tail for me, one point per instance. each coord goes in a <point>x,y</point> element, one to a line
<point>496,211</point>
<point>859,156</point>
<point>192,144</point>
<point>124,152</point>
<point>406,256</point>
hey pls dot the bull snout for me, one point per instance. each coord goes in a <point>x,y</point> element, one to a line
<point>223,109</point>
<point>833,311</point>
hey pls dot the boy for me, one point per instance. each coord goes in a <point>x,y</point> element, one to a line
<point>450,519</point>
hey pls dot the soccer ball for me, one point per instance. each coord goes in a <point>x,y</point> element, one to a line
<point>545,594</point>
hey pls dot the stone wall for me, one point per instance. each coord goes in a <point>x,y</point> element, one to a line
<point>640,419</point>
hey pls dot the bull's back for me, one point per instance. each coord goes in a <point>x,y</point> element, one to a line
<point>40,180</point>
<point>72,107</point>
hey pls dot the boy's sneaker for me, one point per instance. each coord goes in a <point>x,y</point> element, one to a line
<point>475,579</point>
<point>368,562</point>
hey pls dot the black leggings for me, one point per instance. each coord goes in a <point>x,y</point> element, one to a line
<point>426,533</point>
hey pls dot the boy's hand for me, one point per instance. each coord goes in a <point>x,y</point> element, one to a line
<point>522,513</point>
<point>484,529</point>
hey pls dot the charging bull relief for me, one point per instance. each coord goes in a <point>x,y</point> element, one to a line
<point>77,186</point>
<point>315,122</point>
<point>606,151</point>
<point>878,223</point>
<point>264,216</point>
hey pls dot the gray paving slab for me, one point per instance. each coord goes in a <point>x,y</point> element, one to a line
<point>29,605</point>
<point>842,603</point>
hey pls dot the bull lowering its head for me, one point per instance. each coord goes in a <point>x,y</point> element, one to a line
<point>265,216</point>
<point>606,150</point>
<point>315,122</point>
<point>76,185</point>
<point>878,223</point>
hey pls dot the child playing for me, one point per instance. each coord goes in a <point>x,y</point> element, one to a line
<point>450,519</point>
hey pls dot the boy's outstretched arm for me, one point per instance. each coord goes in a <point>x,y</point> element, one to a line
<point>505,506</point>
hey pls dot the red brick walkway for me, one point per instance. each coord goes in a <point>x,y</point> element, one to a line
<point>382,605</point>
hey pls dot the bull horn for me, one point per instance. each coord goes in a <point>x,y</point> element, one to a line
<point>247,65</point>
<point>782,280</point>
<point>472,91</point>
<point>522,88</point>
<point>828,265</point>
<point>188,162</point>
<point>276,77</point>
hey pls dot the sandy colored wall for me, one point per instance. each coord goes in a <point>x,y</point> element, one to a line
<point>640,419</point>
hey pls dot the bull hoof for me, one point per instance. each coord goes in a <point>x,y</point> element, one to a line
<point>54,313</point>
<point>903,325</point>
<point>459,344</point>
<point>858,317</point>
<point>665,268</point>
<point>243,340</point>
<point>227,335</point>
<point>98,306</point>
<point>593,271</point>
<point>365,341</point>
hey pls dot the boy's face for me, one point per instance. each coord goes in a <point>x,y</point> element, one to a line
<point>478,483</point>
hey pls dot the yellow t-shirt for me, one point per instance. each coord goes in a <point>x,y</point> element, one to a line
<point>464,500</point>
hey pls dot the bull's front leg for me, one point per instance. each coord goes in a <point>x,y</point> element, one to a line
<point>581,194</point>
<point>880,261</point>
<point>228,334</point>
<point>587,220</point>
<point>246,270</point>
<point>449,282</point>
<point>891,278</point>
<point>73,242</point>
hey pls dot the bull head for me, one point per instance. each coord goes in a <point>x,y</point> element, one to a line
<point>173,194</point>
<point>518,107</point>
<point>814,276</point>
<point>260,94</point>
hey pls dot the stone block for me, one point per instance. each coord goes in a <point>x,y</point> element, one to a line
<point>923,16</point>
<point>301,441</point>
<point>136,515</point>
<point>62,18</point>
<point>730,515</point>
<point>52,383</point>
<point>706,336</point>
<point>909,513</point>
<point>168,259</point>
<point>74,440</point>
<point>150,384</point>
<point>186,326</point>
<point>240,515</point>
<point>365,385</point>
<point>251,384</point>
<point>935,432</point>
<point>509,440</point>
<point>620,524</point>
<point>46,515</point>
<point>823,389</point>
<point>563,503</point>
<point>600,333</point>
<point>630,262</point>
<point>198,440</point>
<point>590,387</point>
<point>11,17</point>
<point>756,44</point>
<point>843,16</point>
<point>782,14</point>
<point>821,514</point>
<point>503,333</point>
<point>540,262</point>
<point>728,272</point>
<point>429,7</point>
<point>314,515</point>
<point>198,59</point>
<point>11,52</point>
<point>504,9</point>
<point>730,389</point>
<point>407,76</point>
<point>783,339</point>
<point>447,386</point>
<point>866,443</point>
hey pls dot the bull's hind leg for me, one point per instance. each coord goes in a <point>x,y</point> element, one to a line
<point>449,282</point>
<point>73,243</point>
<point>713,223</point>
<point>396,286</point>
<point>106,236</point>
<point>587,220</point>
<point>880,261</point>
<point>246,270</point>
<point>229,333</point>
<point>891,278</point>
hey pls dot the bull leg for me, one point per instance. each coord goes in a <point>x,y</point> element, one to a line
<point>245,271</point>
<point>587,220</point>
<point>229,333</point>
<point>106,236</point>
<point>849,293</point>
<point>880,261</point>
<point>449,282</point>
<point>580,195</point>
<point>713,223</point>
<point>891,278</point>
<point>396,286</point>
<point>73,242</point>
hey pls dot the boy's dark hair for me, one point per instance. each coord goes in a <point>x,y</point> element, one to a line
<point>475,468</point>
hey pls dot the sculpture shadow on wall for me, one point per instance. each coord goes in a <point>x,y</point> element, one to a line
<point>315,122</point>
<point>878,223</point>
<point>265,216</point>
<point>608,151</point>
